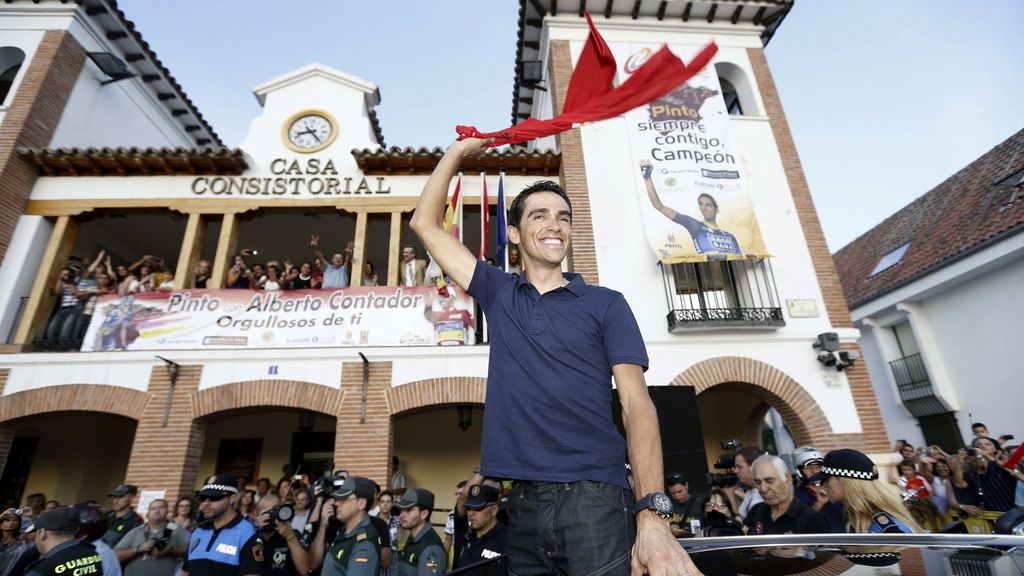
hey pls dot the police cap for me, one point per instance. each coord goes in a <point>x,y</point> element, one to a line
<point>417,497</point>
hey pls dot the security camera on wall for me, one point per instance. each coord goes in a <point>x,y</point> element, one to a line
<point>829,354</point>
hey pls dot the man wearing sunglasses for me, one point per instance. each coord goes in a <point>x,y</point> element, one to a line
<point>224,543</point>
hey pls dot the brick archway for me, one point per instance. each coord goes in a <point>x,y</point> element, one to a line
<point>802,415</point>
<point>100,398</point>
<point>422,394</point>
<point>275,393</point>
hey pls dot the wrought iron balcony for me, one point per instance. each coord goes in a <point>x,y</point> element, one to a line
<point>915,387</point>
<point>721,294</point>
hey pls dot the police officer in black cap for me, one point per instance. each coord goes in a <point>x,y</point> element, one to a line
<point>224,543</point>
<point>850,476</point>
<point>62,553</point>
<point>423,554</point>
<point>356,550</point>
<point>487,536</point>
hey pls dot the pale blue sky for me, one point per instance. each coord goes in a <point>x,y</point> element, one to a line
<point>885,98</point>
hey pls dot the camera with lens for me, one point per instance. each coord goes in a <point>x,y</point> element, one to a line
<point>161,540</point>
<point>719,480</point>
<point>733,444</point>
<point>281,512</point>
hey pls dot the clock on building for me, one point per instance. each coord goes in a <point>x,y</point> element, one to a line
<point>309,131</point>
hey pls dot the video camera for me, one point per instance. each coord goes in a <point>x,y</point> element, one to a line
<point>725,461</point>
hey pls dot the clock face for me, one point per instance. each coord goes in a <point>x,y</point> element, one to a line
<point>310,131</point>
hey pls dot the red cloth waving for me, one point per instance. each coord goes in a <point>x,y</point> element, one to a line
<point>590,97</point>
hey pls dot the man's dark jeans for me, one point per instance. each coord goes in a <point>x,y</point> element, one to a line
<point>580,528</point>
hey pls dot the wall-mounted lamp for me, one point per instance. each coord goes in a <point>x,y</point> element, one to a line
<point>531,74</point>
<point>465,412</point>
<point>112,66</point>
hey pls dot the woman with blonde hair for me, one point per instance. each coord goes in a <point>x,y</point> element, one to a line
<point>850,478</point>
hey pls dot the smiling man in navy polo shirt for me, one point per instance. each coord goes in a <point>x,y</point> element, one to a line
<point>555,344</point>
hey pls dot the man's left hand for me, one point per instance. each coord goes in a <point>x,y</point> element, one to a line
<point>656,552</point>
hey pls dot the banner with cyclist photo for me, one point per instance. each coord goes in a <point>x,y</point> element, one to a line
<point>692,190</point>
<point>215,319</point>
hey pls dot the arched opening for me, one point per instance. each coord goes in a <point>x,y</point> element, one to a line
<point>739,411</point>
<point>439,446</point>
<point>736,89</point>
<point>68,456</point>
<point>266,442</point>
<point>11,59</point>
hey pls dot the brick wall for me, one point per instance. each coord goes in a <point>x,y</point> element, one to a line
<point>874,438</point>
<point>168,457</point>
<point>801,413</point>
<point>32,119</point>
<point>573,171</point>
<point>425,394</point>
<point>831,289</point>
<point>364,448</point>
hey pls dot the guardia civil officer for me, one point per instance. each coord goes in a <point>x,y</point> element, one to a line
<point>850,478</point>
<point>62,553</point>
<point>223,543</point>
<point>423,554</point>
<point>356,550</point>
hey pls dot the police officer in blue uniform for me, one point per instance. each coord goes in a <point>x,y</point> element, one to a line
<point>423,554</point>
<point>847,474</point>
<point>224,543</point>
<point>62,554</point>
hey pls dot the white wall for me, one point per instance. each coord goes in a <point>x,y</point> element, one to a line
<point>967,318</point>
<point>984,361</point>
<point>125,113</point>
<point>19,267</point>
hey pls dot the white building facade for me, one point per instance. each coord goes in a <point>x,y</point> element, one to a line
<point>257,407</point>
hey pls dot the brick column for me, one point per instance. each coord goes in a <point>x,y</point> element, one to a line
<point>32,119</point>
<point>168,458</point>
<point>364,449</point>
<point>6,439</point>
<point>824,267</point>
<point>573,171</point>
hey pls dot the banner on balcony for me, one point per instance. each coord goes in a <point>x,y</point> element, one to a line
<point>693,193</point>
<point>214,319</point>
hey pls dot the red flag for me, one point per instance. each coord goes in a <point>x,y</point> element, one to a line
<point>485,217</point>
<point>662,73</point>
<point>594,72</point>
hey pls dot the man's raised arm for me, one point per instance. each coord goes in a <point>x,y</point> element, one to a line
<point>455,259</point>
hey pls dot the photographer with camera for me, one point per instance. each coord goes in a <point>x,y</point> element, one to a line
<point>686,508</point>
<point>996,485</point>
<point>283,554</point>
<point>153,548</point>
<point>743,496</point>
<point>356,549</point>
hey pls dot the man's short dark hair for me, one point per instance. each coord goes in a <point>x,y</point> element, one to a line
<point>515,211</point>
<point>387,493</point>
<point>709,197</point>
<point>978,425</point>
<point>675,479</point>
<point>749,453</point>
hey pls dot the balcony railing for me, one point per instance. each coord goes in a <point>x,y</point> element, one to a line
<point>721,294</point>
<point>915,387</point>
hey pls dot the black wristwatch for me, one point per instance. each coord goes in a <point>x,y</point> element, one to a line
<point>656,502</point>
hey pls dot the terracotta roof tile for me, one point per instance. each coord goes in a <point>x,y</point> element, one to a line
<point>963,214</point>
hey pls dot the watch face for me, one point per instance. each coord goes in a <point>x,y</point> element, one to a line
<point>310,132</point>
<point>662,504</point>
